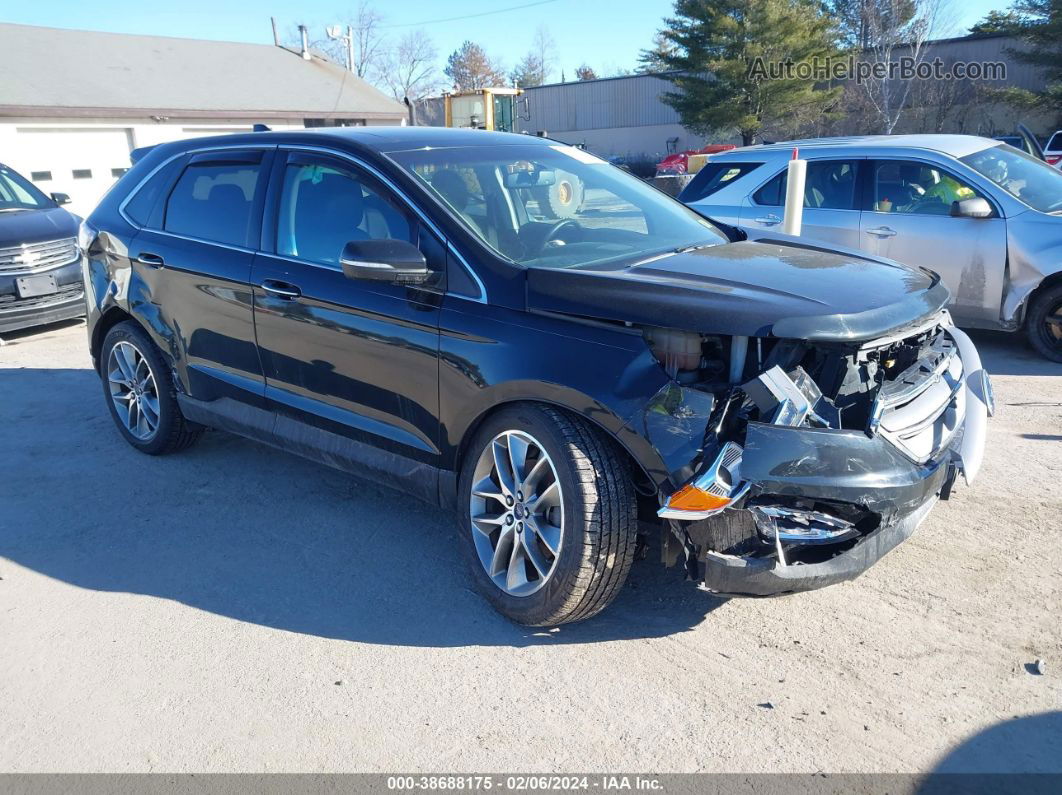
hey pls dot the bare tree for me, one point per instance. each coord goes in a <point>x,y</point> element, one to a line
<point>888,30</point>
<point>544,49</point>
<point>369,48</point>
<point>409,68</point>
<point>369,42</point>
<point>585,72</point>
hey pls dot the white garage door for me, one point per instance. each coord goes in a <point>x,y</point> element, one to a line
<point>80,161</point>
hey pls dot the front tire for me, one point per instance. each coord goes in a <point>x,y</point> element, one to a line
<point>548,515</point>
<point>140,393</point>
<point>1043,324</point>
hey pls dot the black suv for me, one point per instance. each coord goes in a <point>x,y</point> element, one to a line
<point>404,303</point>
<point>40,266</point>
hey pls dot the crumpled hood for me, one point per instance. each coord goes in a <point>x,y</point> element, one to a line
<point>33,226</point>
<point>748,288</point>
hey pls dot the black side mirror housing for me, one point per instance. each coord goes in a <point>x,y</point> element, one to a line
<point>971,208</point>
<point>396,261</point>
<point>60,198</point>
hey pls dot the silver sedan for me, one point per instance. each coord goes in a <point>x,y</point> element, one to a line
<point>985,216</point>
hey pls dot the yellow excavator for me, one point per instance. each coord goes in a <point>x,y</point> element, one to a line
<point>500,109</point>
<point>486,108</point>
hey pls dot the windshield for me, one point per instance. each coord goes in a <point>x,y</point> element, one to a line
<point>556,206</point>
<point>17,193</point>
<point>1021,175</point>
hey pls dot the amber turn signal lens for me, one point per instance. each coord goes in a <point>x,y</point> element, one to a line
<point>691,498</point>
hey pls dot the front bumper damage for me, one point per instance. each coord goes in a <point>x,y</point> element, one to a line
<point>815,505</point>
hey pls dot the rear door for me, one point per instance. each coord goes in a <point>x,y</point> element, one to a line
<point>907,218</point>
<point>195,257</point>
<point>831,205</point>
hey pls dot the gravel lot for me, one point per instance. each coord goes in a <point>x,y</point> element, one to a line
<point>233,608</point>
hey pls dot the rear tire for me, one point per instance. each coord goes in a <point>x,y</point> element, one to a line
<point>562,576</point>
<point>1043,324</point>
<point>140,394</point>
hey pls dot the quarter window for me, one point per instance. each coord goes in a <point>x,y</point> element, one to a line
<point>714,177</point>
<point>912,188</point>
<point>829,185</point>
<point>325,205</point>
<point>213,202</point>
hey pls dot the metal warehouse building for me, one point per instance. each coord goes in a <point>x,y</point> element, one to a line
<point>625,116</point>
<point>73,104</point>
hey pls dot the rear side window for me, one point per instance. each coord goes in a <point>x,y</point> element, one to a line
<point>829,185</point>
<point>1055,143</point>
<point>714,177</point>
<point>213,201</point>
<point>139,208</point>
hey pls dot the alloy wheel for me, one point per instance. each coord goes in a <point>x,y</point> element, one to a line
<point>517,513</point>
<point>133,390</point>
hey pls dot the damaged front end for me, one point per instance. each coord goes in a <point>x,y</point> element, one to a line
<point>798,464</point>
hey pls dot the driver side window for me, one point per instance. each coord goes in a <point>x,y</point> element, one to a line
<point>325,204</point>
<point>913,188</point>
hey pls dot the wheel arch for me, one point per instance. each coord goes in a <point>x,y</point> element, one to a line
<point>108,320</point>
<point>639,456</point>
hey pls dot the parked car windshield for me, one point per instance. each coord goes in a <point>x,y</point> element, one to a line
<point>1021,175</point>
<point>18,193</point>
<point>556,206</point>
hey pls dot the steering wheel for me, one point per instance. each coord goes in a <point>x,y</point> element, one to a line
<point>553,235</point>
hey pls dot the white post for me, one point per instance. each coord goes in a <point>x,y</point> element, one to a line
<point>350,48</point>
<point>794,195</point>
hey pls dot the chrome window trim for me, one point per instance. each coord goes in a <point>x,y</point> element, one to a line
<point>482,299</point>
<point>139,186</point>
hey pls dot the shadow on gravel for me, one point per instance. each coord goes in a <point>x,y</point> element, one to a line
<point>28,334</point>
<point>261,536</point>
<point>1023,755</point>
<point>1004,353</point>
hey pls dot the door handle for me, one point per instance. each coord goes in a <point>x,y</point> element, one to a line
<point>769,220</point>
<point>882,231</point>
<point>151,260</point>
<point>281,289</point>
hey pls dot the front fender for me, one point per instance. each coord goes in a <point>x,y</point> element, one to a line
<point>498,356</point>
<point>1034,252</point>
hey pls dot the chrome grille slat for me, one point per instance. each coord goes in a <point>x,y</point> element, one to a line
<point>923,408</point>
<point>37,257</point>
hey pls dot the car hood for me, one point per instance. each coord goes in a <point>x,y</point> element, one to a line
<point>748,288</point>
<point>33,226</point>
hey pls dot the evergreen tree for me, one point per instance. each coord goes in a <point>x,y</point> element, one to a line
<point>470,67</point>
<point>724,51</point>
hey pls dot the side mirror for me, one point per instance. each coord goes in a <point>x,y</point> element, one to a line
<point>394,261</point>
<point>971,208</point>
<point>60,198</point>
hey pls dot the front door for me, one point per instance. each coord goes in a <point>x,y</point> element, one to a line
<point>908,219</point>
<point>357,359</point>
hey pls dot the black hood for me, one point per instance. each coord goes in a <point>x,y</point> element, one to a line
<point>749,288</point>
<point>33,226</point>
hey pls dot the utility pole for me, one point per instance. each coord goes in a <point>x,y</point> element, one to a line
<point>335,32</point>
<point>350,47</point>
